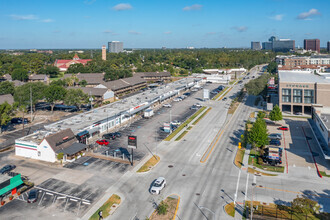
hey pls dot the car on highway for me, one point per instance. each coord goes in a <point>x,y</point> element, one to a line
<point>177,99</point>
<point>167,105</point>
<point>158,185</point>
<point>7,168</point>
<point>275,136</point>
<point>275,142</point>
<point>198,105</point>
<point>102,142</point>
<point>283,128</point>
<point>33,196</point>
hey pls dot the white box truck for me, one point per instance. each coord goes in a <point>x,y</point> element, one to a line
<point>148,113</point>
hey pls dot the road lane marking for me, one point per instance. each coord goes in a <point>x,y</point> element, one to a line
<point>239,175</point>
<point>246,186</point>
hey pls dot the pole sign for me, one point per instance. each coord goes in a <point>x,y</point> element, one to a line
<point>132,142</point>
<point>206,94</point>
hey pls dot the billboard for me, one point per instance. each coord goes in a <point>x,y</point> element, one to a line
<point>132,142</point>
<point>206,94</point>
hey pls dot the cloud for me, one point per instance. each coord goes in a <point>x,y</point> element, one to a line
<point>277,17</point>
<point>168,32</point>
<point>241,28</point>
<point>23,17</point>
<point>308,15</point>
<point>194,7</point>
<point>47,20</point>
<point>122,7</point>
<point>134,32</point>
<point>110,32</point>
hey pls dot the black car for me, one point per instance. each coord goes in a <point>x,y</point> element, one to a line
<point>275,142</point>
<point>7,168</point>
<point>19,120</point>
<point>33,196</point>
<point>186,94</point>
<point>113,135</point>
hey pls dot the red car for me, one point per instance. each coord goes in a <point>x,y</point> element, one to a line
<point>283,128</point>
<point>102,142</point>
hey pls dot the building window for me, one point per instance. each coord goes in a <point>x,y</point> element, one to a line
<point>308,96</point>
<point>297,95</point>
<point>286,95</point>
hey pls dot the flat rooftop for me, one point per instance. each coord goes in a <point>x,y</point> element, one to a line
<point>300,77</point>
<point>83,121</point>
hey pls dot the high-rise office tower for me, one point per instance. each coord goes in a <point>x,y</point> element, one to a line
<point>104,52</point>
<point>312,44</point>
<point>255,45</point>
<point>328,46</point>
<point>267,45</point>
<point>115,47</point>
<point>283,45</point>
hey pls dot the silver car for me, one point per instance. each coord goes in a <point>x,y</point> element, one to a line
<point>158,185</point>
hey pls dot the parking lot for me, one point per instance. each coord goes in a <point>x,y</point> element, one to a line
<point>68,192</point>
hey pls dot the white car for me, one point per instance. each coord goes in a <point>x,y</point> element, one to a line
<point>158,185</point>
<point>167,105</point>
<point>194,90</point>
<point>175,122</point>
<point>177,99</point>
<point>198,105</point>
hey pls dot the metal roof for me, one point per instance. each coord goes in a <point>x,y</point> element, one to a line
<point>299,77</point>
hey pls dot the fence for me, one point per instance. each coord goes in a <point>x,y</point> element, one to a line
<point>278,212</point>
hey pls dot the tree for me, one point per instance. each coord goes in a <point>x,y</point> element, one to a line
<point>53,94</point>
<point>60,156</point>
<point>305,205</point>
<point>83,83</point>
<point>276,114</point>
<point>20,74</point>
<point>6,111</point>
<point>258,135</point>
<point>272,67</point>
<point>57,83</point>
<point>71,81</point>
<point>51,71</point>
<point>75,97</point>
<point>261,115</point>
<point>7,88</point>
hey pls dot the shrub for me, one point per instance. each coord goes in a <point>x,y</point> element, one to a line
<point>162,208</point>
<point>260,161</point>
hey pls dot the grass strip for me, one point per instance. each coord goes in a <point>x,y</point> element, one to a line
<point>168,138</point>
<point>324,174</point>
<point>181,135</point>
<point>239,157</point>
<point>149,164</point>
<point>165,210</point>
<point>230,209</point>
<point>253,160</point>
<point>106,207</point>
<point>198,119</point>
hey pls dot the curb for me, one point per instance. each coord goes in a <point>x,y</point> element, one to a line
<point>150,168</point>
<point>177,207</point>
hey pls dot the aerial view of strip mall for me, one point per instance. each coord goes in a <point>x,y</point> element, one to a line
<point>165,110</point>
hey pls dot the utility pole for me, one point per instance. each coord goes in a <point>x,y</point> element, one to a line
<point>30,104</point>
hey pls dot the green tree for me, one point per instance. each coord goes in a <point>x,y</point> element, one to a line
<point>7,87</point>
<point>53,94</point>
<point>57,83</point>
<point>60,156</point>
<point>75,97</point>
<point>304,205</point>
<point>258,135</point>
<point>6,111</point>
<point>261,114</point>
<point>83,83</point>
<point>51,71</point>
<point>20,74</point>
<point>276,114</point>
<point>272,67</point>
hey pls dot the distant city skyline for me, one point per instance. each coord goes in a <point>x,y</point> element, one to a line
<point>154,24</point>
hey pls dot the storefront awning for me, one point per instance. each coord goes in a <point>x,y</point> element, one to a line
<point>10,184</point>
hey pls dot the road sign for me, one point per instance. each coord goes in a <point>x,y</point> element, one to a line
<point>132,142</point>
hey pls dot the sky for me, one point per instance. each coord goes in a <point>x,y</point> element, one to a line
<point>50,24</point>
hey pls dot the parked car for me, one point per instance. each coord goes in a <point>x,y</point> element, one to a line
<point>275,136</point>
<point>283,128</point>
<point>275,142</point>
<point>213,92</point>
<point>224,99</point>
<point>7,168</point>
<point>198,105</point>
<point>158,185</point>
<point>194,107</point>
<point>109,136</point>
<point>194,90</point>
<point>176,122</point>
<point>186,94</point>
<point>167,105</point>
<point>177,99</point>
<point>19,121</point>
<point>33,196</point>
<point>102,142</point>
